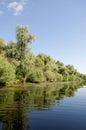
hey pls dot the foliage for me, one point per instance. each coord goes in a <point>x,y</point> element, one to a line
<point>51,66</point>
<point>50,76</point>
<point>2,45</point>
<point>59,77</point>
<point>38,62</point>
<point>18,53</point>
<point>23,38</point>
<point>2,42</point>
<point>27,65</point>
<point>11,50</point>
<point>7,71</point>
<point>45,58</point>
<point>60,64</point>
<point>36,76</point>
<point>18,61</point>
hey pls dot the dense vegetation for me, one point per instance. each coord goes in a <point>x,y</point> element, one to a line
<point>17,62</point>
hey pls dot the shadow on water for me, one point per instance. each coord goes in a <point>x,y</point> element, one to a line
<point>16,103</point>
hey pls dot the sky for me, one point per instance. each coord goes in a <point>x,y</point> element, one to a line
<point>59,27</point>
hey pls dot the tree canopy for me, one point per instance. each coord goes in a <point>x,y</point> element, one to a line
<point>18,62</point>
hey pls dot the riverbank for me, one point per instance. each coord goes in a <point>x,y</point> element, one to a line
<point>20,85</point>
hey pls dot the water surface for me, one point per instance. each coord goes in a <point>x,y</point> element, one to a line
<point>43,107</point>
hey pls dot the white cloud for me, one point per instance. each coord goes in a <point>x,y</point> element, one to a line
<point>1,12</point>
<point>17,6</point>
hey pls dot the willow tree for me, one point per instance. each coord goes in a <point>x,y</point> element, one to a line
<point>18,52</point>
<point>24,38</point>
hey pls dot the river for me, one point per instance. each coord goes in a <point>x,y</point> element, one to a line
<point>43,107</point>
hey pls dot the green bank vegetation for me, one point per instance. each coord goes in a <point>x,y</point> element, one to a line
<point>18,63</point>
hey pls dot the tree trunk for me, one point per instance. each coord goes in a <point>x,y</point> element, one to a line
<point>23,80</point>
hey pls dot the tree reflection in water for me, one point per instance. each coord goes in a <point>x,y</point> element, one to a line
<point>16,103</point>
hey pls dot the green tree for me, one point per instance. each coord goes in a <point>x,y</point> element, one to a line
<point>7,71</point>
<point>50,76</point>
<point>2,45</point>
<point>19,53</point>
<point>59,77</point>
<point>36,76</point>
<point>38,62</point>
<point>60,64</point>
<point>12,52</point>
<point>51,66</point>
<point>45,58</point>
<point>70,69</point>
<point>24,37</point>
<point>28,65</point>
<point>65,74</point>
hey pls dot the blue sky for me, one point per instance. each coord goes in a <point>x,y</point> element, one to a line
<point>59,26</point>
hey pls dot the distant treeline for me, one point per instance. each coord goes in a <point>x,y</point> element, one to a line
<point>18,63</point>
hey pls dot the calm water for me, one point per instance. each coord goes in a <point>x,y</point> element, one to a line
<point>43,107</point>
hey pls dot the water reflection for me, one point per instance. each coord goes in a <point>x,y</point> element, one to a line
<point>15,104</point>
